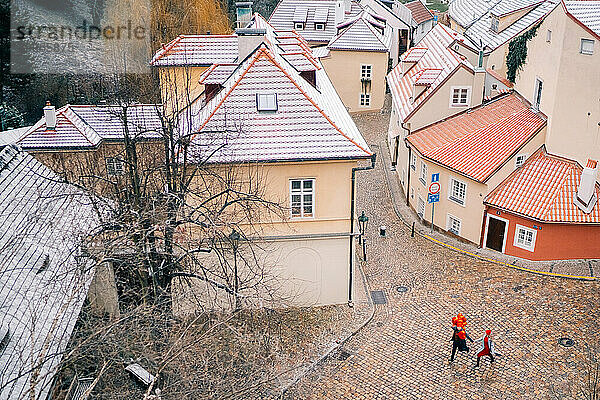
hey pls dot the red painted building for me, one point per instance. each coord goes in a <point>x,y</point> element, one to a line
<point>545,210</point>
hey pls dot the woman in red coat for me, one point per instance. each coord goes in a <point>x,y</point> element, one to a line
<point>486,347</point>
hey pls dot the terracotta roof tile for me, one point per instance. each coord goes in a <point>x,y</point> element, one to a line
<point>544,189</point>
<point>476,143</point>
<point>420,13</point>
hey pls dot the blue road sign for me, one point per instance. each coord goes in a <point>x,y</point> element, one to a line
<point>435,177</point>
<point>433,198</point>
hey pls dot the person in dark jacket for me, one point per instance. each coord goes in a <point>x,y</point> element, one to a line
<point>459,336</point>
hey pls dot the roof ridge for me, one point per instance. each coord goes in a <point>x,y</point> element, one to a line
<point>263,51</point>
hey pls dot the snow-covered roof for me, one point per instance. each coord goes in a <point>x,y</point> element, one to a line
<point>433,54</point>
<point>197,50</point>
<point>463,142</point>
<point>586,12</point>
<point>544,189</point>
<point>476,17</point>
<point>43,278</point>
<point>12,136</point>
<point>86,126</point>
<point>284,14</point>
<point>310,123</point>
<point>365,32</point>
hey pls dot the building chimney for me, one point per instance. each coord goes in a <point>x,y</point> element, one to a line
<point>339,12</point>
<point>50,116</point>
<point>585,198</point>
<point>347,5</point>
<point>248,40</point>
<point>243,12</point>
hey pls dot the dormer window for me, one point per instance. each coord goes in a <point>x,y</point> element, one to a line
<point>266,102</point>
<point>495,24</point>
<point>319,26</point>
<point>299,26</point>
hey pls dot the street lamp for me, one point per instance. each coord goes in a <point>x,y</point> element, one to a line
<point>363,221</point>
<point>234,237</point>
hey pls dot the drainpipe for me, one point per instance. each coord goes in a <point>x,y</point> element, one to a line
<point>372,166</point>
<point>481,237</point>
<point>408,169</point>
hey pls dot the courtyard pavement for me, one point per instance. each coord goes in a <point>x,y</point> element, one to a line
<point>403,352</point>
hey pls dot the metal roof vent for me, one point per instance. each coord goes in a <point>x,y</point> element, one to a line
<point>585,198</point>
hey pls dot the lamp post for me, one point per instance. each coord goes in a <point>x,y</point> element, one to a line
<point>234,237</point>
<point>363,221</point>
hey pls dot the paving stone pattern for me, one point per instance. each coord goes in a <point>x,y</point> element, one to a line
<point>404,352</point>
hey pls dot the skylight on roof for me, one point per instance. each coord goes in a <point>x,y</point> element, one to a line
<point>266,101</point>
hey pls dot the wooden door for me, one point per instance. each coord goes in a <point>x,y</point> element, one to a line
<point>495,234</point>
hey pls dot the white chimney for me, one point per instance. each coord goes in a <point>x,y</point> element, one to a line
<point>339,11</point>
<point>585,197</point>
<point>347,5</point>
<point>50,116</point>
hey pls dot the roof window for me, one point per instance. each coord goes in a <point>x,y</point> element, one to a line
<point>266,101</point>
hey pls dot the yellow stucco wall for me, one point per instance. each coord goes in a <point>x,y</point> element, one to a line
<point>307,258</point>
<point>571,86</point>
<point>343,69</point>
<point>179,85</point>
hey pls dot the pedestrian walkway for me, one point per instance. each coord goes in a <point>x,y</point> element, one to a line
<point>403,352</point>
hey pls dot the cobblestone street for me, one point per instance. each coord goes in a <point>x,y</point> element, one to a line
<point>404,351</point>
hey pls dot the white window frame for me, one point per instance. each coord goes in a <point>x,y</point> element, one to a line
<point>423,175</point>
<point>455,199</point>
<point>420,201</point>
<point>319,26</point>
<point>449,218</point>
<point>460,90</point>
<point>364,99</point>
<point>487,224</point>
<point>524,155</point>
<point>366,71</point>
<point>524,246</point>
<point>299,26</point>
<point>548,36</point>
<point>586,52</point>
<point>266,102</point>
<point>114,166</point>
<point>302,192</point>
<point>413,161</point>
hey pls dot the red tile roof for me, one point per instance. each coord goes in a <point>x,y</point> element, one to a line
<point>420,13</point>
<point>198,50</point>
<point>543,189</point>
<point>477,142</point>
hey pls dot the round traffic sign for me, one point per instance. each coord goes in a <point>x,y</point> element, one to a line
<point>434,188</point>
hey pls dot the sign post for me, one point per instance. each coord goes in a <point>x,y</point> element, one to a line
<point>434,194</point>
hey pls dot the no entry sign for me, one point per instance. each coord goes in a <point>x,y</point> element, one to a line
<point>434,187</point>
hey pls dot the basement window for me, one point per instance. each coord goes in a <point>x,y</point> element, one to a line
<point>453,224</point>
<point>266,102</point>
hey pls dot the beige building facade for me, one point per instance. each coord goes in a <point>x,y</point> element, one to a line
<point>562,78</point>
<point>358,78</point>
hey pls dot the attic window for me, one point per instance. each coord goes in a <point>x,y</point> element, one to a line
<point>494,25</point>
<point>266,102</point>
<point>319,26</point>
<point>299,25</point>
